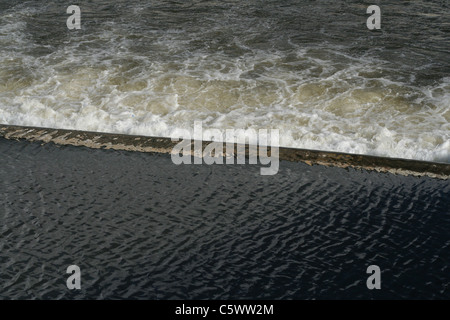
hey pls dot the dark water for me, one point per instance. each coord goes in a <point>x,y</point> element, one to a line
<point>140,227</point>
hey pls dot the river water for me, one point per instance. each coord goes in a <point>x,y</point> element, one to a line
<point>140,227</point>
<point>311,69</point>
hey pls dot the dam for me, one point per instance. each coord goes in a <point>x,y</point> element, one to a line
<point>89,101</point>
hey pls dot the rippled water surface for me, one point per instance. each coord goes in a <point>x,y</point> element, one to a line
<point>311,69</point>
<point>140,227</point>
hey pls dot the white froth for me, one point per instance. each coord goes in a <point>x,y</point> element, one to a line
<point>314,100</point>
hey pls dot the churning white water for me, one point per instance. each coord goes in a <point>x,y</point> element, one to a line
<point>310,69</point>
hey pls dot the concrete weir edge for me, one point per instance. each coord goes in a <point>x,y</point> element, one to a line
<point>100,140</point>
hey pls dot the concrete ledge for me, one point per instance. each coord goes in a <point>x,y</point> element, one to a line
<point>100,140</point>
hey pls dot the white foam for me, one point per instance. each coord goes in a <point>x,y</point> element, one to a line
<point>323,99</point>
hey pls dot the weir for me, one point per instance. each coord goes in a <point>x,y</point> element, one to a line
<point>101,140</point>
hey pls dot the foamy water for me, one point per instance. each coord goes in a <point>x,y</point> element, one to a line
<point>313,71</point>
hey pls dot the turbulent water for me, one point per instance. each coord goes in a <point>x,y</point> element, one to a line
<point>311,69</point>
<point>140,227</point>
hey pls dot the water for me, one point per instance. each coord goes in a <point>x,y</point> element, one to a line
<point>311,69</point>
<point>140,227</point>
